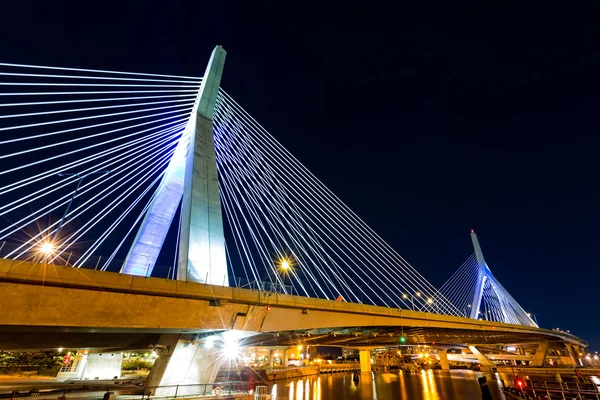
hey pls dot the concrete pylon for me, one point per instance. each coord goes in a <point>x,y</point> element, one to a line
<point>572,353</point>
<point>486,363</point>
<point>190,178</point>
<point>182,360</point>
<point>271,358</point>
<point>540,355</point>
<point>444,360</point>
<point>481,277</point>
<point>365,360</point>
<point>285,359</point>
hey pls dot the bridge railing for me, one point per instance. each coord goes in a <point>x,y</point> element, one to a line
<point>194,390</point>
<point>265,286</point>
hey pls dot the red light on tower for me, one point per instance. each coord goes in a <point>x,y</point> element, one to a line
<point>472,230</point>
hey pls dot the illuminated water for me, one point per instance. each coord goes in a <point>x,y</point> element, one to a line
<point>432,385</point>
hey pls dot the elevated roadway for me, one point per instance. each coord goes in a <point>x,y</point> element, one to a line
<point>49,306</point>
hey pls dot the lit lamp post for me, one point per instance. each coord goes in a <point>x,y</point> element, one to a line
<point>48,247</point>
<point>285,266</point>
<point>412,299</point>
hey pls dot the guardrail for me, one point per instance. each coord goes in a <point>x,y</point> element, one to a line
<point>144,392</point>
<point>526,389</point>
<point>201,389</point>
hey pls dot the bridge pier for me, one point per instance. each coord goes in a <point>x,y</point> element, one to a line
<point>183,361</point>
<point>486,363</point>
<point>444,360</point>
<point>365,360</point>
<point>572,353</point>
<point>271,358</point>
<point>540,355</point>
<point>284,359</point>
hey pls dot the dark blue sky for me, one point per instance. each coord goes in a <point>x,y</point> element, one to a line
<point>428,121</point>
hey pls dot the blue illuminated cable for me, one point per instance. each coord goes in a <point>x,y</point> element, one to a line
<point>116,223</point>
<point>97,70</point>
<point>270,205</point>
<point>112,205</point>
<point>89,185</point>
<point>258,174</point>
<point>382,282</point>
<point>96,92</point>
<point>80,119</point>
<point>103,165</point>
<point>37,136</point>
<point>111,78</point>
<point>267,207</point>
<point>381,299</point>
<point>135,223</point>
<point>94,108</point>
<point>52,172</point>
<point>430,287</point>
<point>38,103</point>
<point>80,208</point>
<point>97,144</point>
<point>436,296</point>
<point>261,210</point>
<point>94,85</point>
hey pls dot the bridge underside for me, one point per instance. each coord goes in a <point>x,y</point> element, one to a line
<point>390,336</point>
<point>40,337</point>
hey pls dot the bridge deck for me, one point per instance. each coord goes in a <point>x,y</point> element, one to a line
<point>63,299</point>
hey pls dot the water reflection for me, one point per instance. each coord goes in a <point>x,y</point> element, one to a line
<point>422,385</point>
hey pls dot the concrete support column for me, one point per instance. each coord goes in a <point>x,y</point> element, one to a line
<point>572,353</point>
<point>285,357</point>
<point>486,363</point>
<point>184,361</point>
<point>365,360</point>
<point>444,360</point>
<point>167,343</point>
<point>103,366</point>
<point>271,358</point>
<point>540,355</point>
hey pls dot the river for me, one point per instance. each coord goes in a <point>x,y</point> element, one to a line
<point>424,385</point>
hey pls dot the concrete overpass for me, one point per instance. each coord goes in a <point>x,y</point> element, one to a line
<point>70,302</point>
<point>49,306</point>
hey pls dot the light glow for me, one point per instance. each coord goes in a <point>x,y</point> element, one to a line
<point>47,248</point>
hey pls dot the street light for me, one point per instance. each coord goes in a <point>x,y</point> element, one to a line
<point>48,247</point>
<point>412,299</point>
<point>285,266</point>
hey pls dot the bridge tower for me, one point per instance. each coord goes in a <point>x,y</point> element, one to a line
<point>190,179</point>
<point>481,278</point>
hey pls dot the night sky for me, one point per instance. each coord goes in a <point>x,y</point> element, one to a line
<point>428,122</point>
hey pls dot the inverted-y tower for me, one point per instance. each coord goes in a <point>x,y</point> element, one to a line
<point>191,179</point>
<point>476,303</point>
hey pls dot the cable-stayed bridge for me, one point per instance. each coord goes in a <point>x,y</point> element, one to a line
<point>106,176</point>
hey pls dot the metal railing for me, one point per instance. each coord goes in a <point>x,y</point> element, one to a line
<point>554,390</point>
<point>195,390</point>
<point>264,286</point>
<point>146,392</point>
<point>293,368</point>
<point>62,394</point>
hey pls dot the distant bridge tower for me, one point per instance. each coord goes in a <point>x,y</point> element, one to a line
<point>483,268</point>
<point>190,179</point>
